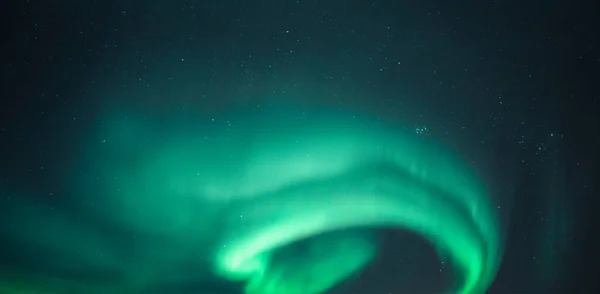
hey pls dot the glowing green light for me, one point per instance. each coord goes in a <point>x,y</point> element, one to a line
<point>241,193</point>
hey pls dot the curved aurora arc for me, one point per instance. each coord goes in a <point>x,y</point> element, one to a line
<point>272,179</point>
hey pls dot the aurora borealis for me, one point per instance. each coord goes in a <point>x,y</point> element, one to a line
<point>327,175</point>
<point>294,147</point>
<point>237,195</point>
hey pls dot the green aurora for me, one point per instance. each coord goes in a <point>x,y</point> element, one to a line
<point>233,195</point>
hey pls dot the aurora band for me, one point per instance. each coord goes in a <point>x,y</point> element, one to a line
<point>249,186</point>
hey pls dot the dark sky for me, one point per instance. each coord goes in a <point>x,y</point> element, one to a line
<point>512,85</point>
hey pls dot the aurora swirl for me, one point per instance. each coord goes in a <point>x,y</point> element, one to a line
<point>278,177</point>
<point>331,174</point>
<point>237,192</point>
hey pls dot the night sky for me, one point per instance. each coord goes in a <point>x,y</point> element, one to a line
<point>94,90</point>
